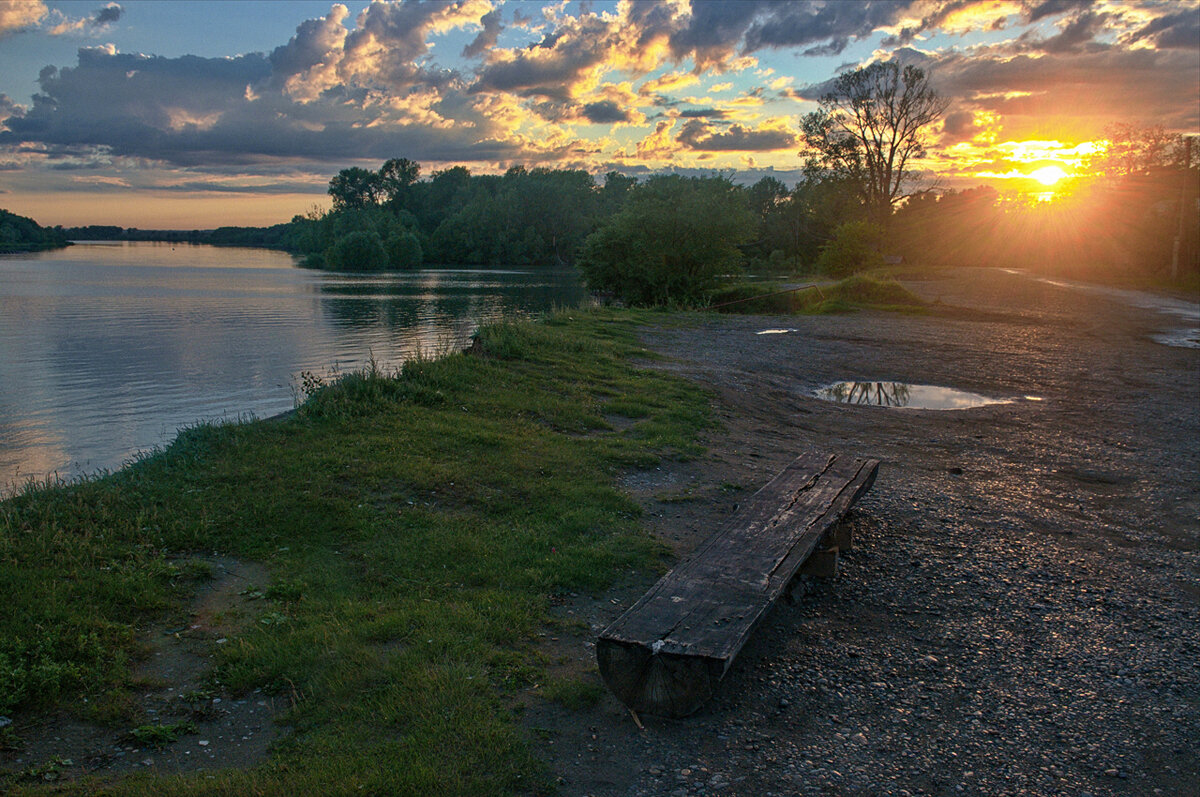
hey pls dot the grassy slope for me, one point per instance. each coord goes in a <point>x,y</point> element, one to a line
<point>414,528</point>
<point>857,292</point>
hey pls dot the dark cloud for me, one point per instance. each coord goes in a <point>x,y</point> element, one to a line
<point>1175,31</point>
<point>209,186</point>
<point>1072,37</point>
<point>958,126</point>
<point>715,29</point>
<point>486,40</point>
<point>313,44</point>
<point>1088,89</point>
<point>831,26</point>
<point>606,112</point>
<point>1039,9</point>
<point>703,113</point>
<point>107,15</point>
<point>551,67</point>
<point>698,135</point>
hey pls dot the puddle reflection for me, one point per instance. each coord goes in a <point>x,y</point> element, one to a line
<point>901,394</point>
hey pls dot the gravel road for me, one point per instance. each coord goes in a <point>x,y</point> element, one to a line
<point>1021,611</point>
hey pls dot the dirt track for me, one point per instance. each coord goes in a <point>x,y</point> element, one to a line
<point>1021,612</point>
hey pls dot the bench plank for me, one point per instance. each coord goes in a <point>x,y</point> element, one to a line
<point>666,654</point>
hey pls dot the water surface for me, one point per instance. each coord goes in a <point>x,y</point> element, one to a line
<point>902,394</point>
<point>107,349</point>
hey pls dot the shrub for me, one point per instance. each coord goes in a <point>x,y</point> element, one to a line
<point>357,251</point>
<point>671,243</point>
<point>403,250</point>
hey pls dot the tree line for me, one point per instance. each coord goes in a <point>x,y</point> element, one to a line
<point>23,234</point>
<point>671,237</point>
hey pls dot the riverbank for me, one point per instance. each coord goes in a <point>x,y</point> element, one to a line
<point>361,588</point>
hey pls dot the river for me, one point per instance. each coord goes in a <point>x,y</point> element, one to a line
<point>107,349</point>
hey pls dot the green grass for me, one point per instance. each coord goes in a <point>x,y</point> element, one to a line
<point>858,292</point>
<point>161,735</point>
<point>414,528</point>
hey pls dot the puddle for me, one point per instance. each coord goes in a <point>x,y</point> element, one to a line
<point>775,331</point>
<point>901,394</point>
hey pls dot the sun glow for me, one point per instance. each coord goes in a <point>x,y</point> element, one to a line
<point>1048,175</point>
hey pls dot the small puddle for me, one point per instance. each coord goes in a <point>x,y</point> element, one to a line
<point>901,394</point>
<point>774,331</point>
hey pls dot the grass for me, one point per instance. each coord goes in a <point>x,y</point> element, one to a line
<point>161,735</point>
<point>415,527</point>
<point>858,292</point>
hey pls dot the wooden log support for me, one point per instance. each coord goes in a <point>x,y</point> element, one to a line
<point>666,654</point>
<point>822,564</point>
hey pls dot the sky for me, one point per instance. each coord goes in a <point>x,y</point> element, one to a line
<point>192,115</point>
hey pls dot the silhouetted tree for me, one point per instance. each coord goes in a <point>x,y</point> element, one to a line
<point>868,129</point>
<point>354,188</point>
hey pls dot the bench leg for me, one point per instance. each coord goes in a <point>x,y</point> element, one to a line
<point>842,536</point>
<point>822,563</point>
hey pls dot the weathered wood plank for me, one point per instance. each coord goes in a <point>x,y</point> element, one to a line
<point>668,651</point>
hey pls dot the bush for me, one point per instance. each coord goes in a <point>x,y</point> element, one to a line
<point>855,247</point>
<point>671,242</point>
<point>357,251</point>
<point>403,250</point>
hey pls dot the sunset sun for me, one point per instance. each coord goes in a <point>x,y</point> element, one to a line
<point>1048,175</point>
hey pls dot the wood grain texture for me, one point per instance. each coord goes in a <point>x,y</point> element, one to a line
<point>666,654</point>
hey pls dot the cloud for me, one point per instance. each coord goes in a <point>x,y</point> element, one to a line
<point>107,15</point>
<point>1174,31</point>
<point>193,110</point>
<point>703,113</point>
<point>19,15</point>
<point>701,136</point>
<point>606,112</point>
<point>1084,90</point>
<point>487,37</point>
<point>330,93</point>
<point>100,20</point>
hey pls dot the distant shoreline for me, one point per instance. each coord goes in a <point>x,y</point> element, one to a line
<point>17,249</point>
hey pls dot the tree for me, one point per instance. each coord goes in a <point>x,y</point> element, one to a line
<point>354,188</point>
<point>395,176</point>
<point>869,128</point>
<point>671,242</point>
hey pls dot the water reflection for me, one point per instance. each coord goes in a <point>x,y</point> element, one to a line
<point>106,350</point>
<point>901,394</point>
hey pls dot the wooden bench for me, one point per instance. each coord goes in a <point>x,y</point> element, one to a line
<point>666,654</point>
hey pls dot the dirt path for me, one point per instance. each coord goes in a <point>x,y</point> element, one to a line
<point>1021,612</point>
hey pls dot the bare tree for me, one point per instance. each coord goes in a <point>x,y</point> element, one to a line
<point>870,127</point>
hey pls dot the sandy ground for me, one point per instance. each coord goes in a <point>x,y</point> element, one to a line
<point>1019,614</point>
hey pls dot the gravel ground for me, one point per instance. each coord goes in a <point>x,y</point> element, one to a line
<point>1019,614</point>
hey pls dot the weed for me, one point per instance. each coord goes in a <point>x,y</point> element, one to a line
<point>162,735</point>
<point>51,770</point>
<point>9,740</point>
